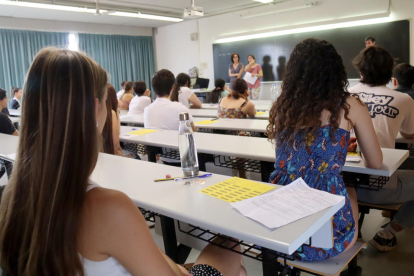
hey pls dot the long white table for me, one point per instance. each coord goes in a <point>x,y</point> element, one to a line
<point>132,119</point>
<point>213,113</point>
<point>233,124</point>
<point>15,112</point>
<point>261,107</point>
<point>253,148</point>
<point>185,203</point>
<point>15,119</point>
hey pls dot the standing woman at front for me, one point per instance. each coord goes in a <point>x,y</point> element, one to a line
<point>16,93</point>
<point>235,69</point>
<point>256,71</point>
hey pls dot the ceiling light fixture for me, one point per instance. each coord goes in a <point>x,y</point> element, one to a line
<point>264,1</point>
<point>147,16</point>
<point>309,5</point>
<point>307,29</point>
<point>86,10</point>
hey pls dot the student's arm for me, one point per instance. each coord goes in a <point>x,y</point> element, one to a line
<point>193,127</point>
<point>407,126</point>
<point>365,133</point>
<point>196,103</point>
<point>249,109</point>
<point>407,136</point>
<point>116,130</point>
<point>240,72</point>
<point>15,133</point>
<point>260,75</point>
<point>125,236</point>
<point>232,75</point>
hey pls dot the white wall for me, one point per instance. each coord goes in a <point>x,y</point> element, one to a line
<point>65,26</point>
<point>210,28</point>
<point>174,49</point>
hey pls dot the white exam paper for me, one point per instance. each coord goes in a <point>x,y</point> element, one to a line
<point>288,204</point>
<point>248,77</point>
<point>353,159</point>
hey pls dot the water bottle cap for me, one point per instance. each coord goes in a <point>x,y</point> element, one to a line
<point>183,116</point>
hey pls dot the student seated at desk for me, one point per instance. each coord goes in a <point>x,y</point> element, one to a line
<point>6,126</point>
<point>391,112</point>
<point>112,127</point>
<point>404,79</point>
<point>127,97</point>
<point>163,113</point>
<point>236,105</point>
<point>221,91</point>
<point>122,91</point>
<point>54,219</point>
<point>16,93</point>
<point>141,100</point>
<point>182,93</point>
<point>310,124</point>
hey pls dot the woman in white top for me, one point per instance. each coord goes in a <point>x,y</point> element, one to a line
<point>141,100</point>
<point>53,221</point>
<point>182,93</point>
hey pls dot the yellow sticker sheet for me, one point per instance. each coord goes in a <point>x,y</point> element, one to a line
<point>236,189</point>
<point>260,113</point>
<point>206,122</point>
<point>353,154</point>
<point>141,132</point>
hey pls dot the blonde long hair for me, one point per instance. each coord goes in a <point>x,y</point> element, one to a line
<point>58,150</point>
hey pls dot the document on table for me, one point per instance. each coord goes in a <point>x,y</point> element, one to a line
<point>288,204</point>
<point>139,132</point>
<point>353,157</point>
<point>249,78</point>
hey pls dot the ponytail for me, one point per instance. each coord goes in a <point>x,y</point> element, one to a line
<point>216,93</point>
<point>239,89</point>
<point>13,91</point>
<point>182,80</point>
<point>128,86</point>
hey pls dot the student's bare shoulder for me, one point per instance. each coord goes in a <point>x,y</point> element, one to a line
<point>106,202</point>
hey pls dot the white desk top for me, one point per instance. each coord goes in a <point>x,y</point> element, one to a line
<point>213,113</point>
<point>15,112</point>
<point>200,90</point>
<point>234,124</point>
<point>261,107</point>
<point>8,144</point>
<point>14,119</point>
<point>257,102</point>
<point>254,148</point>
<point>136,179</point>
<point>132,119</point>
<point>403,140</point>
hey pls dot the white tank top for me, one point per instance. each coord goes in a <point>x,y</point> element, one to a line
<point>109,267</point>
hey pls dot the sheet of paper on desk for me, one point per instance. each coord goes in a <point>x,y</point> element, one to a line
<point>260,113</point>
<point>139,132</point>
<point>206,122</point>
<point>287,204</point>
<point>235,189</point>
<point>248,77</point>
<point>353,157</point>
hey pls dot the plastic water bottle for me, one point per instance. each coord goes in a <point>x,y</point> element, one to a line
<point>274,93</point>
<point>187,145</point>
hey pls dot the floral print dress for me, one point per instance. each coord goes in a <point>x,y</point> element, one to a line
<point>319,161</point>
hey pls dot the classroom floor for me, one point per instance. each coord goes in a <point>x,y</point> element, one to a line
<point>399,262</point>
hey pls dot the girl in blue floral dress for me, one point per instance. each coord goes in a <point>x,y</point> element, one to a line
<point>311,123</point>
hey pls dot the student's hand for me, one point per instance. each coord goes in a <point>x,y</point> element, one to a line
<point>352,145</point>
<point>253,75</point>
<point>147,93</point>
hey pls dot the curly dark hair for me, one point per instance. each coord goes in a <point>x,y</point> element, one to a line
<point>315,80</point>
<point>375,64</point>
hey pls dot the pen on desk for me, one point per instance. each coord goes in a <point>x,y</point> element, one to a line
<point>214,119</point>
<point>165,179</point>
<point>191,177</point>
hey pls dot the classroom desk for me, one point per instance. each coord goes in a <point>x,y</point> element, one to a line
<point>132,119</point>
<point>14,119</point>
<point>213,113</point>
<point>173,200</point>
<point>15,112</point>
<point>233,124</point>
<point>253,148</point>
<point>403,140</point>
<point>260,107</point>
